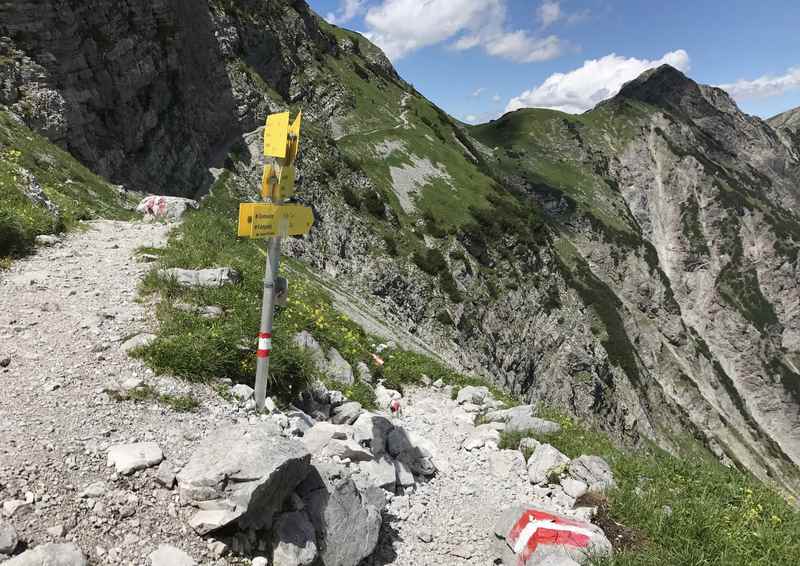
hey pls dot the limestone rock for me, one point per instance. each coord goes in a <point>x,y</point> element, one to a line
<point>171,208</point>
<point>245,470</point>
<point>127,458</point>
<point>594,472</point>
<point>345,518</point>
<point>50,555</point>
<point>320,435</point>
<point>347,413</point>
<point>520,529</point>
<point>295,540</point>
<point>8,538</point>
<point>203,278</point>
<point>472,394</point>
<point>168,555</point>
<point>372,431</point>
<point>338,368</point>
<point>138,341</point>
<point>545,461</point>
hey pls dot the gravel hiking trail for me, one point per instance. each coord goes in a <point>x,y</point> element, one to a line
<point>64,312</point>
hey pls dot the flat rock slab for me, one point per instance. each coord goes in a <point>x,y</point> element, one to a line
<point>207,278</point>
<point>245,472</point>
<point>138,341</point>
<point>127,458</point>
<point>168,555</point>
<point>50,555</point>
<point>594,472</point>
<point>539,537</point>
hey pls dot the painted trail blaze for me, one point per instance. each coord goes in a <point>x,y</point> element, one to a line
<point>536,528</point>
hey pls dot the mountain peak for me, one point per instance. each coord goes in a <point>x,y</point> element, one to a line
<point>664,85</point>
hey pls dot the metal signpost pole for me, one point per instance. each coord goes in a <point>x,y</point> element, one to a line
<point>274,219</point>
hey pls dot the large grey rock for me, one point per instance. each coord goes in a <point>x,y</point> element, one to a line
<point>347,519</point>
<point>347,413</point>
<point>295,540</point>
<point>50,555</point>
<point>304,340</point>
<point>520,530</point>
<point>385,396</point>
<point>247,471</point>
<point>299,422</point>
<point>594,472</point>
<point>337,368</point>
<point>523,419</point>
<point>372,431</point>
<point>382,472</point>
<point>472,394</point>
<point>170,208</point>
<point>320,435</point>
<point>349,449</point>
<point>544,461</point>
<point>8,538</point>
<point>47,240</point>
<point>168,555</point>
<point>204,278</point>
<point>413,450</point>
<point>128,458</point>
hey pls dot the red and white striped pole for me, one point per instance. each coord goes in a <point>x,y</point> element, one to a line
<point>267,312</point>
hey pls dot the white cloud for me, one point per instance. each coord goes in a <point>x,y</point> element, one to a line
<point>598,79</point>
<point>549,12</point>
<point>765,86</point>
<point>348,9</point>
<point>479,92</point>
<point>400,27</point>
<point>496,98</point>
<point>471,119</point>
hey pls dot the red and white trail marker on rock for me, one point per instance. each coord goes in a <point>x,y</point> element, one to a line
<point>536,537</point>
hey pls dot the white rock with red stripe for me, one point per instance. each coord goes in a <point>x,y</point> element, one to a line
<point>171,208</point>
<point>531,536</point>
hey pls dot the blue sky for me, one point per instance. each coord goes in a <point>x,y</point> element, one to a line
<point>480,58</point>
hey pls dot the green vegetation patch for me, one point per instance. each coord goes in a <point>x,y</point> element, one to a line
<point>78,193</point>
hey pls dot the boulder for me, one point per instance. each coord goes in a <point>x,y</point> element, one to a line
<point>138,341</point>
<point>206,278</point>
<point>381,472</point>
<point>8,537</point>
<point>320,435</point>
<point>347,413</point>
<point>306,341</point>
<point>128,458</point>
<point>405,477</point>
<point>168,555</point>
<point>346,519</point>
<point>412,450</point>
<point>169,208</point>
<point>295,540</point>
<point>594,472</point>
<point>472,394</point>
<point>545,461</point>
<point>299,422</point>
<point>50,555</point>
<point>338,369</point>
<point>349,449</point>
<point>538,537</point>
<point>523,419</point>
<point>482,435</point>
<point>371,430</point>
<point>165,475</point>
<point>574,488</point>
<point>245,470</point>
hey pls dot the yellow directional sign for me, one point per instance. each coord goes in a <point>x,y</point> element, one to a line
<point>257,220</point>
<point>294,139</point>
<point>283,177</point>
<point>286,186</point>
<point>276,133</point>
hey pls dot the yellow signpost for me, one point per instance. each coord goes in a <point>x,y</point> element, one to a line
<point>274,219</point>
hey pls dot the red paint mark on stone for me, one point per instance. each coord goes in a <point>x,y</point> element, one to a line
<point>545,535</point>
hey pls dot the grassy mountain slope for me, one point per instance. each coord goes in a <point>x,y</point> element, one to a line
<point>44,190</point>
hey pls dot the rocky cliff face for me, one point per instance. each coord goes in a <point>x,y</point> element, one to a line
<point>636,265</point>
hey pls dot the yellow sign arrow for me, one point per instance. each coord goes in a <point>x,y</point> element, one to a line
<point>257,220</point>
<point>276,134</point>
